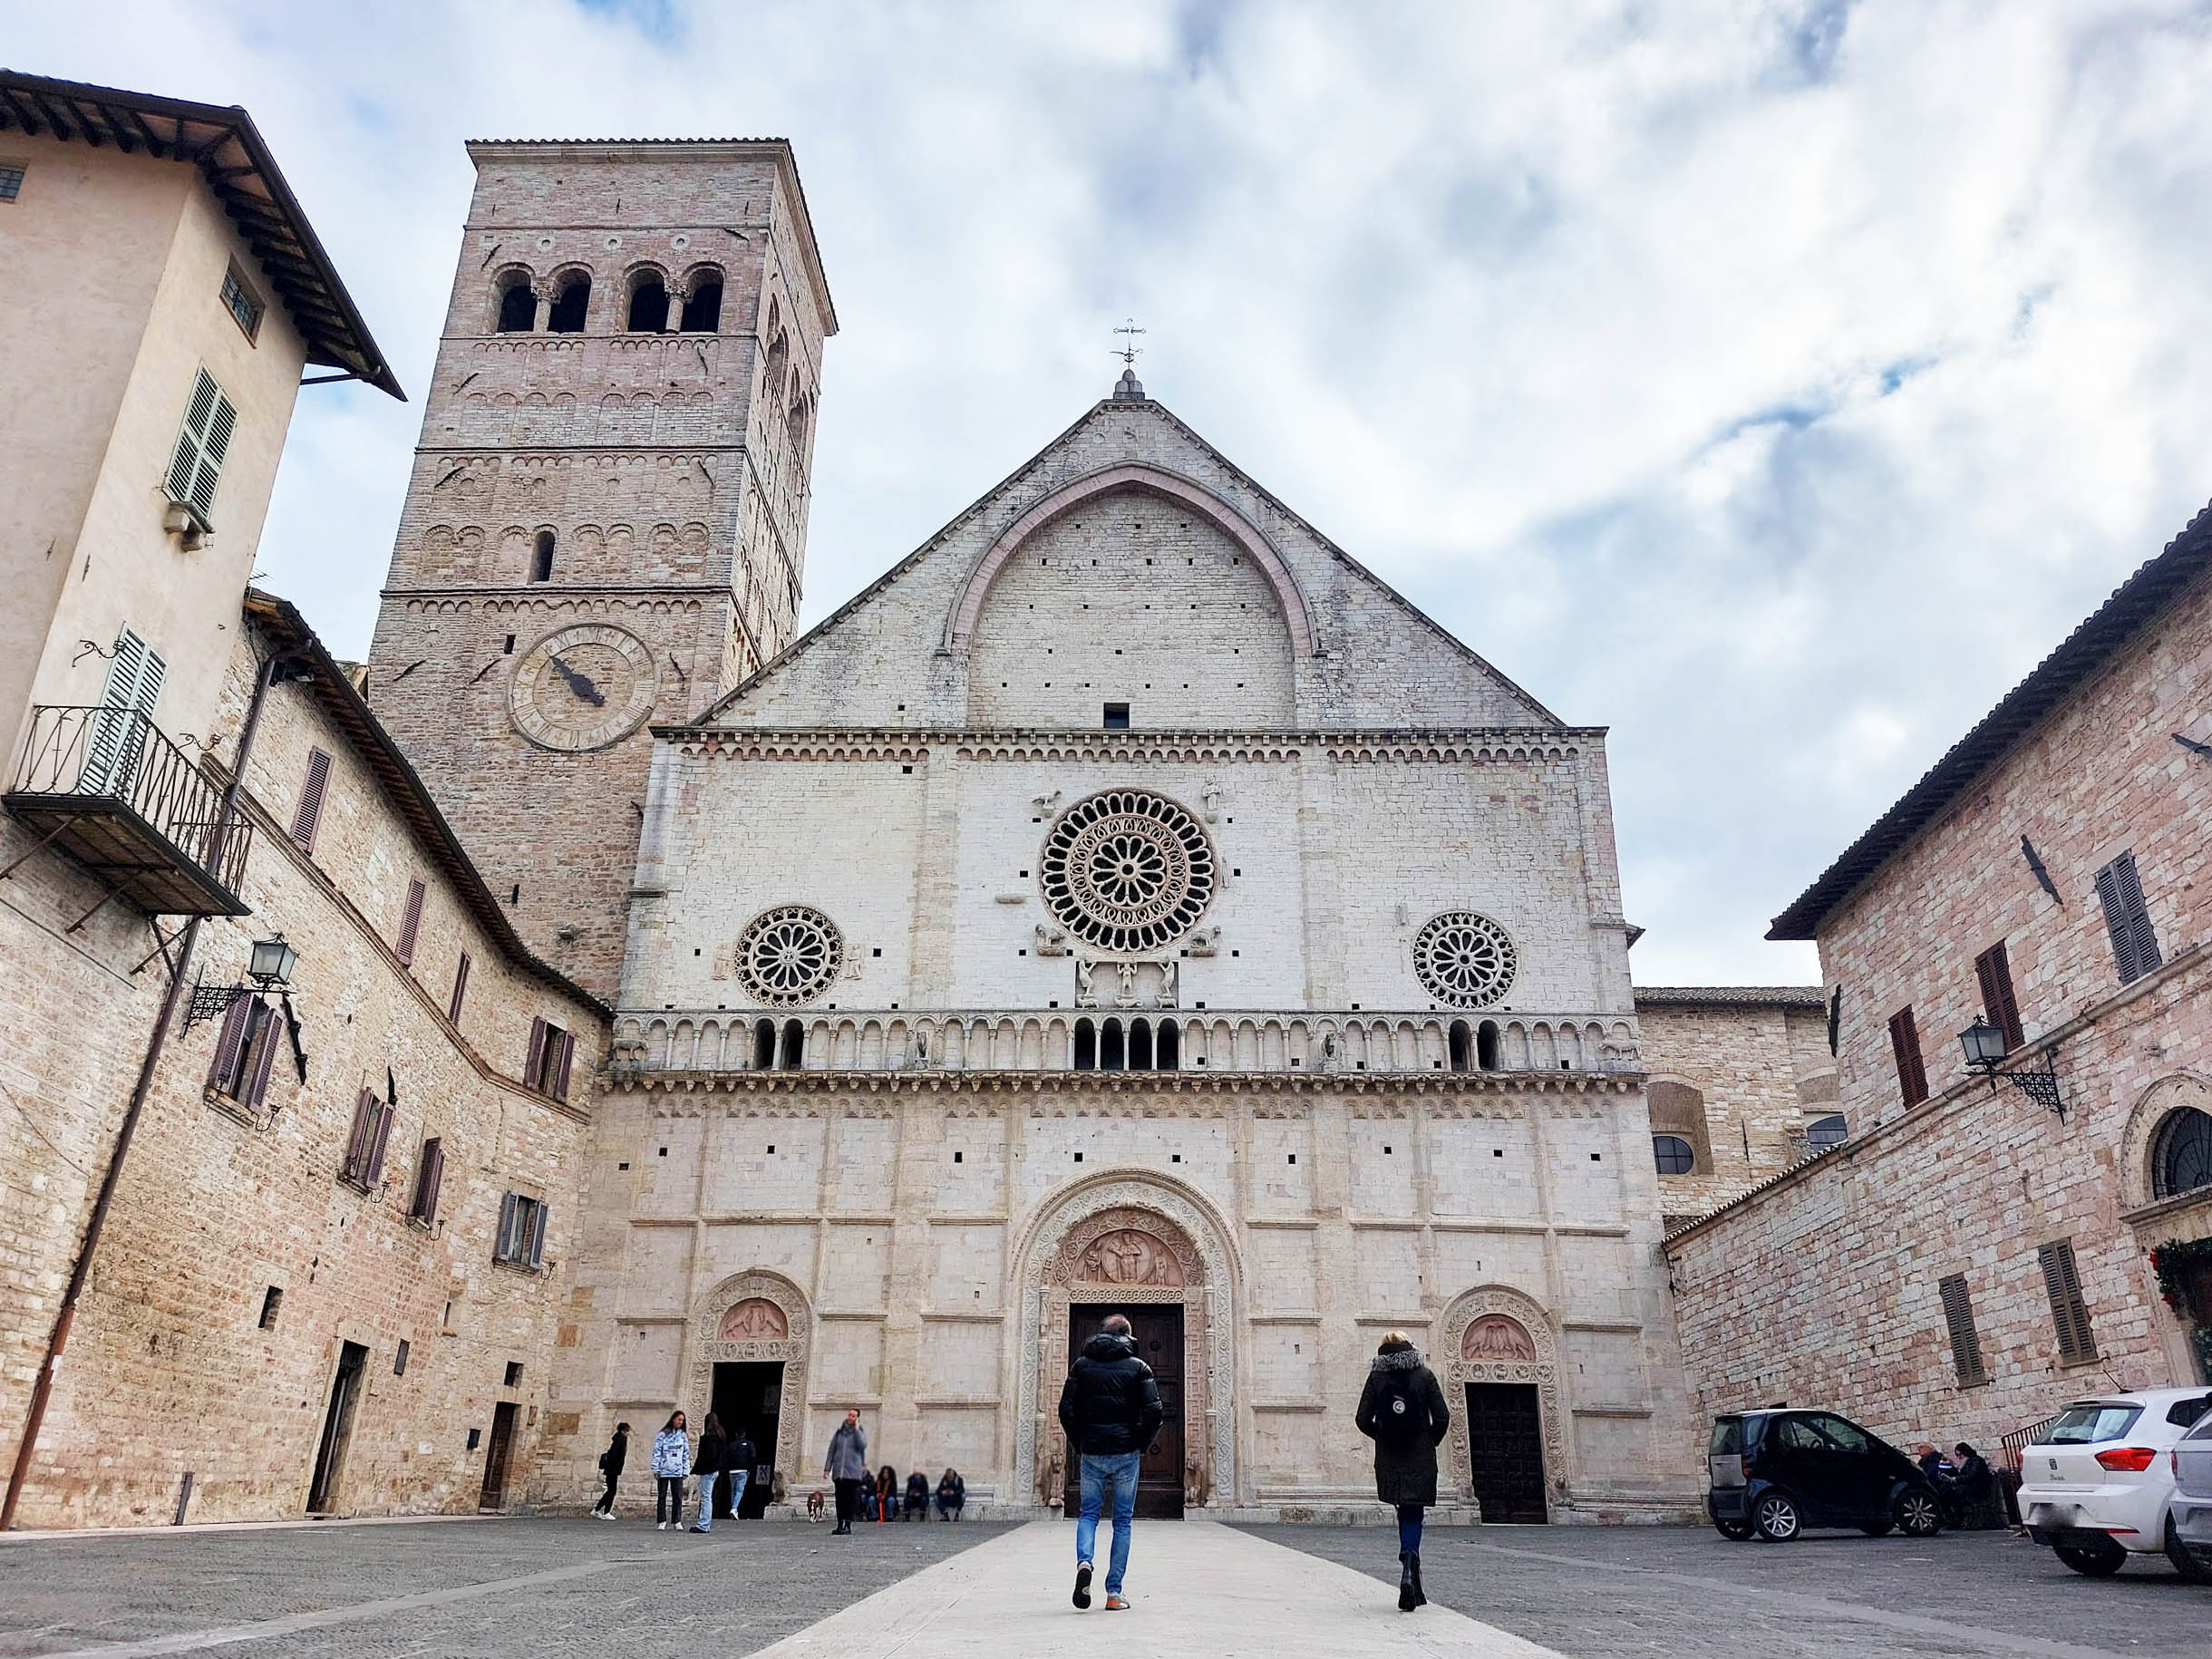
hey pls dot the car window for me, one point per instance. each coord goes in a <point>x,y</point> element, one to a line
<point>2077,1425</point>
<point>1799,1435</point>
<point>1727,1437</point>
<point>1843,1434</point>
<point>2203,1430</point>
<point>2183,1412</point>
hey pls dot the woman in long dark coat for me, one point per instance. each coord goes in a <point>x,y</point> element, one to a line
<point>1402,1410</point>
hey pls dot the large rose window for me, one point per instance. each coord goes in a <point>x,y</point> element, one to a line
<point>1465,960</point>
<point>789,955</point>
<point>1127,870</point>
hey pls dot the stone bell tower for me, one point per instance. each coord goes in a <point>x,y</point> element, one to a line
<point>605,526</point>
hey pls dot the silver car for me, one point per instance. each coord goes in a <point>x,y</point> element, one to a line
<point>2188,1512</point>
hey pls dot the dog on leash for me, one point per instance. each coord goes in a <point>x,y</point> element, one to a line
<point>815,1505</point>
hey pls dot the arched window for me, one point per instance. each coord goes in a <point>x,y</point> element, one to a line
<point>2181,1153</point>
<point>794,1046</point>
<point>1486,1045</point>
<point>703,305</point>
<point>648,312</point>
<point>799,428</point>
<point>1113,1056</point>
<point>1086,1046</point>
<point>1678,1113</point>
<point>518,306</point>
<point>569,305</point>
<point>765,1046</point>
<point>1673,1155</point>
<point>1141,1045</point>
<point>541,558</point>
<point>1825,1132</point>
<point>1166,1047</point>
<point>1459,1045</point>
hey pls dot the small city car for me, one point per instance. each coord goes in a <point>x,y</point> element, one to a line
<point>2094,1485</point>
<point>2188,1512</point>
<point>1776,1473</point>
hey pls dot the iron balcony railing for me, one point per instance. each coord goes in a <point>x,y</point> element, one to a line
<point>106,787</point>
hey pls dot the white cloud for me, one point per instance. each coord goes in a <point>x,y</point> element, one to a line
<point>1775,383</point>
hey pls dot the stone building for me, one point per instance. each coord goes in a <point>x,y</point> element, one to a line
<point>1130,901</point>
<point>607,520</point>
<point>331,1268</point>
<point>1982,1248</point>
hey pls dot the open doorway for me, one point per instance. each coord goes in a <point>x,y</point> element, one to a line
<point>1505,1432</point>
<point>497,1456</point>
<point>1157,1328</point>
<point>337,1427</point>
<point>749,1395</point>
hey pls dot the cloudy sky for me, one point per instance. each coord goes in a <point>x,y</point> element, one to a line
<point>1774,383</point>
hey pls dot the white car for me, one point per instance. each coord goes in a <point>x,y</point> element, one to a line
<point>2188,1512</point>
<point>2094,1486</point>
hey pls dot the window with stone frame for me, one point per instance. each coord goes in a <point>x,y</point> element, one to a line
<point>364,1148</point>
<point>520,1241</point>
<point>1904,1047</point>
<point>545,1066</point>
<point>429,1175</point>
<point>2127,918</point>
<point>246,1051</point>
<point>1678,1113</point>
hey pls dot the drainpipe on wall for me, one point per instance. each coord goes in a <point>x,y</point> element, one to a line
<point>81,1270</point>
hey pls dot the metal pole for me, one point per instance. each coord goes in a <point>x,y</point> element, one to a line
<point>36,1417</point>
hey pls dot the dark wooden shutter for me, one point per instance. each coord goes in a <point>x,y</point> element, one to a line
<point>2127,918</point>
<point>263,1056</point>
<point>1905,1043</point>
<point>411,923</point>
<point>460,989</point>
<point>367,1111</point>
<point>502,1246</point>
<point>428,1178</point>
<point>308,815</point>
<point>557,1064</point>
<point>223,1070</point>
<point>533,1063</point>
<point>1958,1318</point>
<point>1994,970</point>
<point>2069,1310</point>
<point>536,1252</point>
<point>378,1136</point>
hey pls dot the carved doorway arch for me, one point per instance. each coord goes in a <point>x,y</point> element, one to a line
<point>1496,1334</point>
<point>1130,1239</point>
<point>751,1316</point>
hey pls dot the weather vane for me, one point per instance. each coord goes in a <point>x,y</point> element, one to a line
<point>1129,351</point>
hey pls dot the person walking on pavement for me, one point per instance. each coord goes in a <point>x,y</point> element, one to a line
<point>1402,1410</point>
<point>610,1465</point>
<point>714,1460</point>
<point>1110,1409</point>
<point>846,1467</point>
<point>743,1455</point>
<point>671,1458</point>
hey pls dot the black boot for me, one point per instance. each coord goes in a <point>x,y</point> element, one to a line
<point>1409,1592</point>
<point>1420,1598</point>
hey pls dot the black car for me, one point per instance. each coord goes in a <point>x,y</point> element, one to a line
<point>1776,1473</point>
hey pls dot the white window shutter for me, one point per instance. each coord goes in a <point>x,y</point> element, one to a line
<point>135,673</point>
<point>210,420</point>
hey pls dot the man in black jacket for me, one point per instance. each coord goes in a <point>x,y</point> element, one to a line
<point>1110,1408</point>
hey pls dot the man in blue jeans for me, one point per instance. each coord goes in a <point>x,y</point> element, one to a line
<point>1110,1408</point>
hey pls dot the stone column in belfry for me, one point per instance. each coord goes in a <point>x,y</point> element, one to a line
<point>605,526</point>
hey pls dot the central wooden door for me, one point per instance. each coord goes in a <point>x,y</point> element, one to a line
<point>1505,1443</point>
<point>1157,1328</point>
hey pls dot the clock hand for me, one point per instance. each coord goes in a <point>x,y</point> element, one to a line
<point>580,684</point>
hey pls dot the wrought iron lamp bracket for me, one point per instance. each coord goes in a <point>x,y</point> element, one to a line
<point>213,1002</point>
<point>2039,1083</point>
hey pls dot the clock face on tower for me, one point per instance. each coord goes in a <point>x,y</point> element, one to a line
<point>584,687</point>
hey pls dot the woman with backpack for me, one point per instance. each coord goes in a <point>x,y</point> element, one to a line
<point>671,1463</point>
<point>1402,1410</point>
<point>610,1465</point>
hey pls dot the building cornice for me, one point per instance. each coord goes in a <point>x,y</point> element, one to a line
<point>1062,1085</point>
<point>1509,745</point>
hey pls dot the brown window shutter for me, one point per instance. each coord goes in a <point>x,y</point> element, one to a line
<point>428,1178</point>
<point>1958,1319</point>
<point>535,1254</point>
<point>308,815</point>
<point>503,1243</point>
<point>2069,1311</point>
<point>556,1082</point>
<point>1905,1043</point>
<point>1993,968</point>
<point>222,1070</point>
<point>460,989</point>
<point>411,923</point>
<point>533,1063</point>
<point>264,1055</point>
<point>366,1110</point>
<point>378,1136</point>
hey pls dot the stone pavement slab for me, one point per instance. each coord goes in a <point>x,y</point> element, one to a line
<point>1195,1588</point>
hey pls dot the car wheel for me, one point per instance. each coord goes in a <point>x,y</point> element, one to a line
<point>1918,1515</point>
<point>1776,1517</point>
<point>2099,1560</point>
<point>1735,1531</point>
<point>2192,1565</point>
<point>1876,1530</point>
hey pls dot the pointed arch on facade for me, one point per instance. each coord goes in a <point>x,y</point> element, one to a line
<point>1156,481</point>
<point>755,1315</point>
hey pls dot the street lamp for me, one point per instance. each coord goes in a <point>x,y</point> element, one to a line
<point>271,961</point>
<point>1983,1043</point>
<point>1985,1049</point>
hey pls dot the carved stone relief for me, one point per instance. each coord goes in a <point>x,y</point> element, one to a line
<point>756,1319</point>
<point>1496,1336</point>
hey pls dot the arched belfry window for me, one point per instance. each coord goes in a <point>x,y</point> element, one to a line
<point>703,305</point>
<point>1461,1047</point>
<point>648,312</point>
<point>570,303</point>
<point>518,306</point>
<point>541,558</point>
<point>2181,1153</point>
